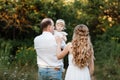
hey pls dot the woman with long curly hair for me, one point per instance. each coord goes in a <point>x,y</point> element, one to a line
<point>81,54</point>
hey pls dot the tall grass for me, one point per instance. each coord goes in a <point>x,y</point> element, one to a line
<point>107,63</point>
<point>20,65</point>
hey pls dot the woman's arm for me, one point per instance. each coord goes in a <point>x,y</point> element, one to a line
<point>91,65</point>
<point>62,54</point>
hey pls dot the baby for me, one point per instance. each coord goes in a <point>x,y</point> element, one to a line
<point>59,27</point>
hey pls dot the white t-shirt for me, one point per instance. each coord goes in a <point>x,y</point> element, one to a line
<point>46,47</point>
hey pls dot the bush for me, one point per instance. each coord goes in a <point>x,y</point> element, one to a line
<point>25,56</point>
<point>107,53</point>
<point>5,48</point>
<point>107,60</point>
<point>17,60</point>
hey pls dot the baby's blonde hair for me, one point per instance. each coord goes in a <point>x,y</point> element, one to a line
<point>81,46</point>
<point>61,21</point>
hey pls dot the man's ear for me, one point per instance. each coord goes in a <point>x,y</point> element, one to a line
<point>48,28</point>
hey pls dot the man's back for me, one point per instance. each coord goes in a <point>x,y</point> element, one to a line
<point>45,46</point>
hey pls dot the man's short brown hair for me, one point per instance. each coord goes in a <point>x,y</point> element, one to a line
<point>45,22</point>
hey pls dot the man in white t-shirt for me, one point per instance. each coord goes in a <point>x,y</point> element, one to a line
<point>46,47</point>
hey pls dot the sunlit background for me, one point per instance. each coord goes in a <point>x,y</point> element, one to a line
<point>19,24</point>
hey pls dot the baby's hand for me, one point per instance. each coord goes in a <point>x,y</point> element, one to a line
<point>64,38</point>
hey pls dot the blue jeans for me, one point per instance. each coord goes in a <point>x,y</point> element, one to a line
<point>49,74</point>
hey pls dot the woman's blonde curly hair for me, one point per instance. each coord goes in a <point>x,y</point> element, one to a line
<point>81,46</point>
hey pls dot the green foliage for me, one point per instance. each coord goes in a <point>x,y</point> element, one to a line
<point>5,48</point>
<point>107,60</point>
<point>23,17</point>
<point>10,48</point>
<point>19,24</point>
<point>25,56</point>
<point>19,73</point>
<point>107,49</point>
<point>111,34</point>
<point>17,60</point>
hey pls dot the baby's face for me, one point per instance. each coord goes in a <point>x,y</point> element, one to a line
<point>59,27</point>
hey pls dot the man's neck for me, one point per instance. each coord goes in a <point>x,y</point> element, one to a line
<point>46,30</point>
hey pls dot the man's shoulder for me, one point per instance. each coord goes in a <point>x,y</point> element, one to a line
<point>44,37</point>
<point>37,37</point>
